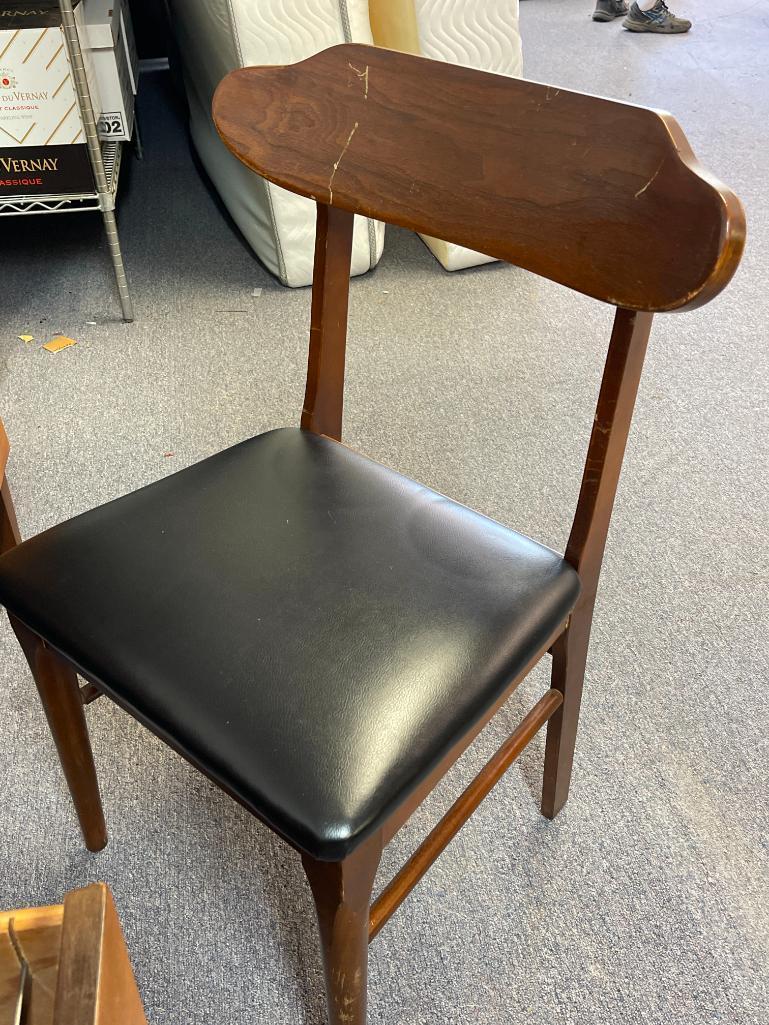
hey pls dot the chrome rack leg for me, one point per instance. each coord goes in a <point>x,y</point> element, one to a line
<point>113,241</point>
<point>106,200</point>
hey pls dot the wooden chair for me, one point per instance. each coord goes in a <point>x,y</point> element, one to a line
<point>318,634</point>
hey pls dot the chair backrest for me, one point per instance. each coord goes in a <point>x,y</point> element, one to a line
<point>601,196</point>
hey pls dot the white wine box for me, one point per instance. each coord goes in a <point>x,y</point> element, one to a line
<point>112,50</point>
<point>42,143</point>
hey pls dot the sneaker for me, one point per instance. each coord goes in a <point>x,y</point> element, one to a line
<point>607,10</point>
<point>658,19</point>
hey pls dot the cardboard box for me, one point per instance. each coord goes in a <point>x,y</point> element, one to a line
<point>102,18</point>
<point>42,143</point>
<point>106,22</point>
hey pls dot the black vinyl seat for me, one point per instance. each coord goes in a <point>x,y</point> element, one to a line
<point>311,629</point>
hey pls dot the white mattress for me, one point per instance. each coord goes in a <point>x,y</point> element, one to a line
<point>479,34</point>
<point>214,38</point>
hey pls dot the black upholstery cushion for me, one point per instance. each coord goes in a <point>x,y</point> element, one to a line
<point>310,628</point>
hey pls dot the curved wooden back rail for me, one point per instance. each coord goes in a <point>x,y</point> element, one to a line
<point>601,196</point>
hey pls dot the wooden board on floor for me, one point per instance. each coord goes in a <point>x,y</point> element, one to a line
<point>79,972</point>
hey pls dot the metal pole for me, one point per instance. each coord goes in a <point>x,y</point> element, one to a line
<point>106,200</point>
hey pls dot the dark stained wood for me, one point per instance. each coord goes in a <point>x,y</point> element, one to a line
<point>322,412</point>
<point>89,693</point>
<point>342,894</point>
<point>585,548</point>
<point>444,832</point>
<point>59,692</point>
<point>606,450</point>
<point>567,675</point>
<point>602,196</point>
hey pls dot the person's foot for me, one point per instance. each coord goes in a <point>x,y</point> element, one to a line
<point>658,19</point>
<point>608,10</point>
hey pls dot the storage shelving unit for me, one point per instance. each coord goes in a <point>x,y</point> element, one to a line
<point>105,159</point>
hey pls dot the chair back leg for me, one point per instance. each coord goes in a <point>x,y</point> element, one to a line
<point>59,691</point>
<point>342,893</point>
<point>567,675</point>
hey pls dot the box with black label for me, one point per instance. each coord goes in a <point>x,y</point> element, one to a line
<point>45,170</point>
<point>42,141</point>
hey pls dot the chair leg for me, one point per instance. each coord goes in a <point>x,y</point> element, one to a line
<point>9,528</point>
<point>342,892</point>
<point>59,691</point>
<point>567,676</point>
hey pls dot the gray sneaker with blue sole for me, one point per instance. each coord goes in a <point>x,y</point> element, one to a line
<point>658,19</point>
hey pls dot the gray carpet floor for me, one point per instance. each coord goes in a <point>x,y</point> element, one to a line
<point>646,900</point>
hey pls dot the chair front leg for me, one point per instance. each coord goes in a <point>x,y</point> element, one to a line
<point>567,676</point>
<point>59,691</point>
<point>342,893</point>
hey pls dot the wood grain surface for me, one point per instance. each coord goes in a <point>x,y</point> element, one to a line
<point>602,196</point>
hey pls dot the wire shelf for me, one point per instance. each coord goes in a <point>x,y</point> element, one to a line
<point>104,157</point>
<point>74,202</point>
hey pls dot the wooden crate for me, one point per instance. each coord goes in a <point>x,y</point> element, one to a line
<point>67,964</point>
